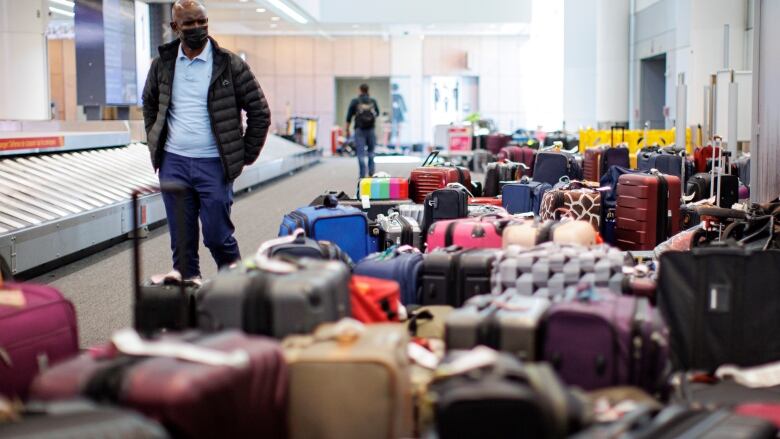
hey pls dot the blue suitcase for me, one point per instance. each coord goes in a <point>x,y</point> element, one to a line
<point>345,226</point>
<point>550,166</point>
<point>523,196</point>
<point>402,267</point>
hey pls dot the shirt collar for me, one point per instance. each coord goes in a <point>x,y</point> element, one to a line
<point>204,55</point>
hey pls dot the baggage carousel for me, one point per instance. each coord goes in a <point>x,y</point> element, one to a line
<point>56,206</point>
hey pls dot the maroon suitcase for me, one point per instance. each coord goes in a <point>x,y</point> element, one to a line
<point>190,399</point>
<point>37,328</point>
<point>648,210</point>
<point>519,154</point>
<point>591,167</point>
<point>496,141</point>
<point>427,179</point>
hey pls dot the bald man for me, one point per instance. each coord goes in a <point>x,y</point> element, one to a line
<point>192,105</point>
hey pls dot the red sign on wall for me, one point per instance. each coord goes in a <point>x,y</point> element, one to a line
<point>31,143</point>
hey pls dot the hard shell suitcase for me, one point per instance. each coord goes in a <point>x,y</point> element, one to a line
<point>506,323</point>
<point>344,226</point>
<point>591,168</point>
<point>452,275</point>
<point>495,173</point>
<point>495,142</point>
<point>428,178</point>
<point>482,232</point>
<point>606,340</point>
<point>402,266</point>
<point>390,188</point>
<point>37,328</point>
<point>648,210</point>
<point>365,372</point>
<point>259,296</point>
<point>374,300</point>
<point>721,306</point>
<point>396,229</point>
<point>228,385</point>
<point>519,154</point>
<point>80,419</point>
<point>444,204</point>
<point>481,393</point>
<point>523,196</point>
<point>414,211</point>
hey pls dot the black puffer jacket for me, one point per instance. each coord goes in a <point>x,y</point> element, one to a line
<point>233,88</point>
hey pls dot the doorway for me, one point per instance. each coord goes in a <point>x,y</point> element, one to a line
<point>378,88</point>
<point>653,91</point>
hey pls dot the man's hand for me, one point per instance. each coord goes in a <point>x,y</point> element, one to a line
<point>346,131</point>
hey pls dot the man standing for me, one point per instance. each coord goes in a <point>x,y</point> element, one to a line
<point>192,104</point>
<point>365,111</point>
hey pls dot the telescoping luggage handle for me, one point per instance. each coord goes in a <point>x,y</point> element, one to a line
<point>431,157</point>
<point>179,192</point>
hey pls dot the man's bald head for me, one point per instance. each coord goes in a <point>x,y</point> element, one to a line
<point>189,16</point>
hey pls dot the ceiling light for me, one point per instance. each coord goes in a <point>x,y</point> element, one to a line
<point>290,12</point>
<point>260,10</point>
<point>67,3</point>
<point>273,25</point>
<point>275,18</point>
<point>61,12</point>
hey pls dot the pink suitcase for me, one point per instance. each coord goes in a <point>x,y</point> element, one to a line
<point>480,232</point>
<point>37,329</point>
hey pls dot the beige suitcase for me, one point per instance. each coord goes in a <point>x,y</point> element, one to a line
<point>528,234</point>
<point>350,380</point>
<point>428,321</point>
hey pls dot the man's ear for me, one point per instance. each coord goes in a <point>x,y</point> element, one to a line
<point>173,27</point>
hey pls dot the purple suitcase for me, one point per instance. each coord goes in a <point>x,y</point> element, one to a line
<point>607,340</point>
<point>39,331</point>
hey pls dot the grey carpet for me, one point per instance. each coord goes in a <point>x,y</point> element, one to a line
<point>100,285</point>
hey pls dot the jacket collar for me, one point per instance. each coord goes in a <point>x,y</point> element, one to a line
<point>169,52</point>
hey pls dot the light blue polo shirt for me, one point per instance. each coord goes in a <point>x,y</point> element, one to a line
<point>189,126</point>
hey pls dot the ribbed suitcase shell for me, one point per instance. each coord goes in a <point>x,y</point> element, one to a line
<point>427,179</point>
<point>591,167</point>
<point>638,200</point>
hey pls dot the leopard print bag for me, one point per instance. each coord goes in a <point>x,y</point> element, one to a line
<point>579,204</point>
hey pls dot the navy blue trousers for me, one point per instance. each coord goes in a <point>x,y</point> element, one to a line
<point>365,142</point>
<point>210,198</point>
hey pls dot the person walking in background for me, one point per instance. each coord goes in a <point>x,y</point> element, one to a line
<point>364,110</point>
<point>192,104</point>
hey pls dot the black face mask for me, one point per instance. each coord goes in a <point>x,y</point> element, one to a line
<point>195,38</point>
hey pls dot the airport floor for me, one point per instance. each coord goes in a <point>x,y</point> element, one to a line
<point>100,285</point>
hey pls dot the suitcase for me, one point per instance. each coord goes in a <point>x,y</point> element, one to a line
<point>481,232</point>
<point>572,201</point>
<point>614,156</point>
<point>506,323</point>
<point>330,222</point>
<point>550,269</point>
<point>523,196</point>
<point>373,208</point>
<point>480,210</point>
<point>396,229</point>
<point>414,211</point>
<point>227,384</point>
<point>519,154</point>
<point>479,160</point>
<point>665,163</point>
<point>303,247</point>
<point>495,173</point>
<point>443,204</point>
<point>699,186</point>
<point>260,296</point>
<point>450,276</point>
<point>591,168</point>
<point>551,166</point>
<point>601,340</point>
<point>80,419</point>
<point>648,210</point>
<point>364,372</point>
<point>681,422</point>
<point>495,142</point>
<point>701,155</point>
<point>487,201</point>
<point>389,188</point>
<point>37,328</point>
<point>610,180</point>
<point>730,302</point>
<point>428,321</point>
<point>374,300</point>
<point>428,178</point>
<point>481,393</point>
<point>402,266</point>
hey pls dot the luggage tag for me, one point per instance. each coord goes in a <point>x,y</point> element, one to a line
<point>767,375</point>
<point>128,342</point>
<point>365,201</point>
<point>477,358</point>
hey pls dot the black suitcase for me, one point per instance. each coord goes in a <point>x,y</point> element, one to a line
<point>374,209</point>
<point>505,399</point>
<point>681,422</point>
<point>447,203</point>
<point>80,419</point>
<point>452,275</point>
<point>275,297</point>
<point>495,174</point>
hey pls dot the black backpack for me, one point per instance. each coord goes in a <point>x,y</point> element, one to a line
<point>365,117</point>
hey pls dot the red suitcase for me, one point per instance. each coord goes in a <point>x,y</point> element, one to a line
<point>191,399</point>
<point>374,300</point>
<point>701,155</point>
<point>496,141</point>
<point>427,178</point>
<point>485,201</point>
<point>37,329</point>
<point>648,210</point>
<point>591,167</point>
<point>519,154</point>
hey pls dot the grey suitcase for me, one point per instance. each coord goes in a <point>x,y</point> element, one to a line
<point>550,269</point>
<point>399,230</point>
<point>508,323</point>
<point>414,211</point>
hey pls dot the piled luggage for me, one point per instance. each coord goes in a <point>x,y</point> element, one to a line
<point>442,312</point>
